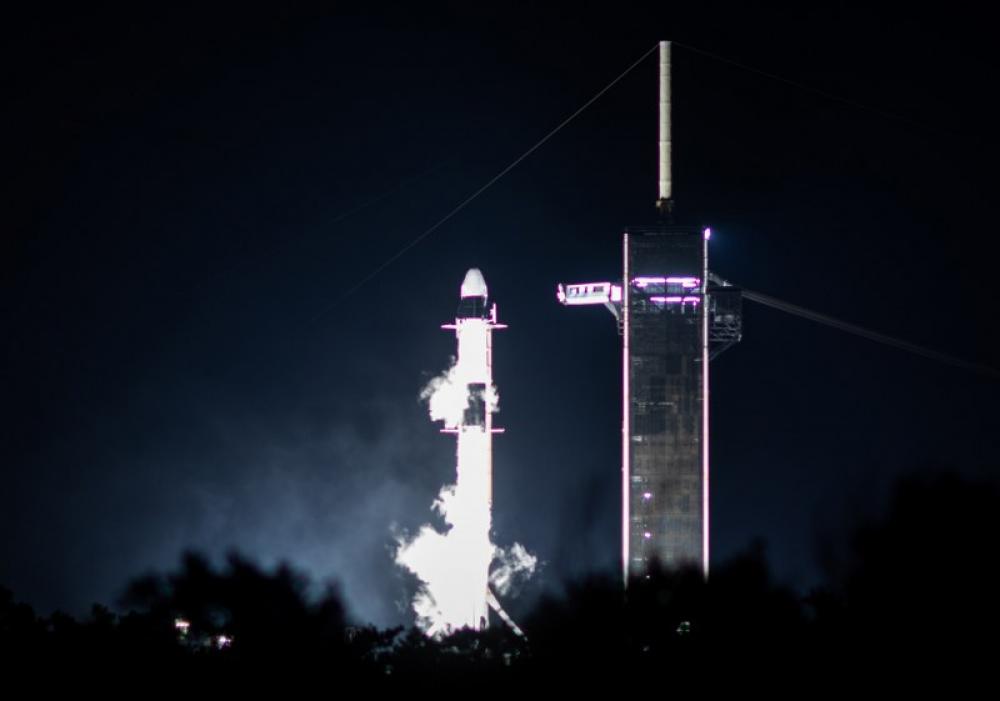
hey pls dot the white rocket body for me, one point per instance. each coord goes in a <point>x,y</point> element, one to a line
<point>470,514</point>
<point>453,565</point>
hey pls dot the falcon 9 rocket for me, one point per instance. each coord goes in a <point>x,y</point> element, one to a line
<point>454,566</point>
<point>473,372</point>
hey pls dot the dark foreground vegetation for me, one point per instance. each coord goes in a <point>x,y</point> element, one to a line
<point>913,600</point>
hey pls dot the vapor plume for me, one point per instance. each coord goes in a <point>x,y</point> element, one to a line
<point>453,566</point>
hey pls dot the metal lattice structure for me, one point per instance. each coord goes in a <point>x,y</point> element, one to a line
<point>673,317</point>
<point>665,408</point>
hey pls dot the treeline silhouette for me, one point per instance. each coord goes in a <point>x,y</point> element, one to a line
<point>911,598</point>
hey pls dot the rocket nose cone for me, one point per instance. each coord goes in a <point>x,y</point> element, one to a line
<point>474,285</point>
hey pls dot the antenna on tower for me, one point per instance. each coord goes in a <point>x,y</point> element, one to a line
<point>665,202</point>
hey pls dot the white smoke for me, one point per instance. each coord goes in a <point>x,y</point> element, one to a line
<point>446,397</point>
<point>512,565</point>
<point>454,566</point>
<point>492,399</point>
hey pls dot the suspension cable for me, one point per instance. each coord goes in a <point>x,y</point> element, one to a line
<point>930,353</point>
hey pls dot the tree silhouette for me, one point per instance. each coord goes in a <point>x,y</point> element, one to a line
<point>918,585</point>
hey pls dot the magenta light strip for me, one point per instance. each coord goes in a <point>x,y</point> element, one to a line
<point>705,520</point>
<point>626,433</point>
<point>675,300</point>
<point>686,281</point>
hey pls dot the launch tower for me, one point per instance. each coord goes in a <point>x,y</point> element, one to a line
<point>672,321</point>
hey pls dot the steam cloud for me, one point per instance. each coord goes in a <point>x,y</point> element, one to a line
<point>454,566</point>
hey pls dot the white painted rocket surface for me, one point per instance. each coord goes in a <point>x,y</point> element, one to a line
<point>473,372</point>
<point>454,566</point>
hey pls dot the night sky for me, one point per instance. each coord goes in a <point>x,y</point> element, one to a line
<point>188,196</point>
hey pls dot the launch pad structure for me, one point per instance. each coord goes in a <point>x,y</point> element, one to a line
<point>673,317</point>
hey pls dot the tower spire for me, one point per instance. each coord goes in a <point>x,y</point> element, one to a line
<point>664,202</point>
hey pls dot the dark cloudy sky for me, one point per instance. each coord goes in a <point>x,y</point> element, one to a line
<point>188,194</point>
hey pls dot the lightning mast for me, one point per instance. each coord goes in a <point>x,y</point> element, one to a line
<point>664,203</point>
<point>672,321</point>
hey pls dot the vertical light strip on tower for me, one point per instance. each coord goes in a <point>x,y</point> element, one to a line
<point>625,412</point>
<point>704,402</point>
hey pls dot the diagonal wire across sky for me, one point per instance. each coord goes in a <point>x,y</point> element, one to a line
<point>489,183</point>
<point>760,298</point>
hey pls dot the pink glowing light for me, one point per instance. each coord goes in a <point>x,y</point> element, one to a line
<point>675,299</point>
<point>626,458</point>
<point>685,281</point>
